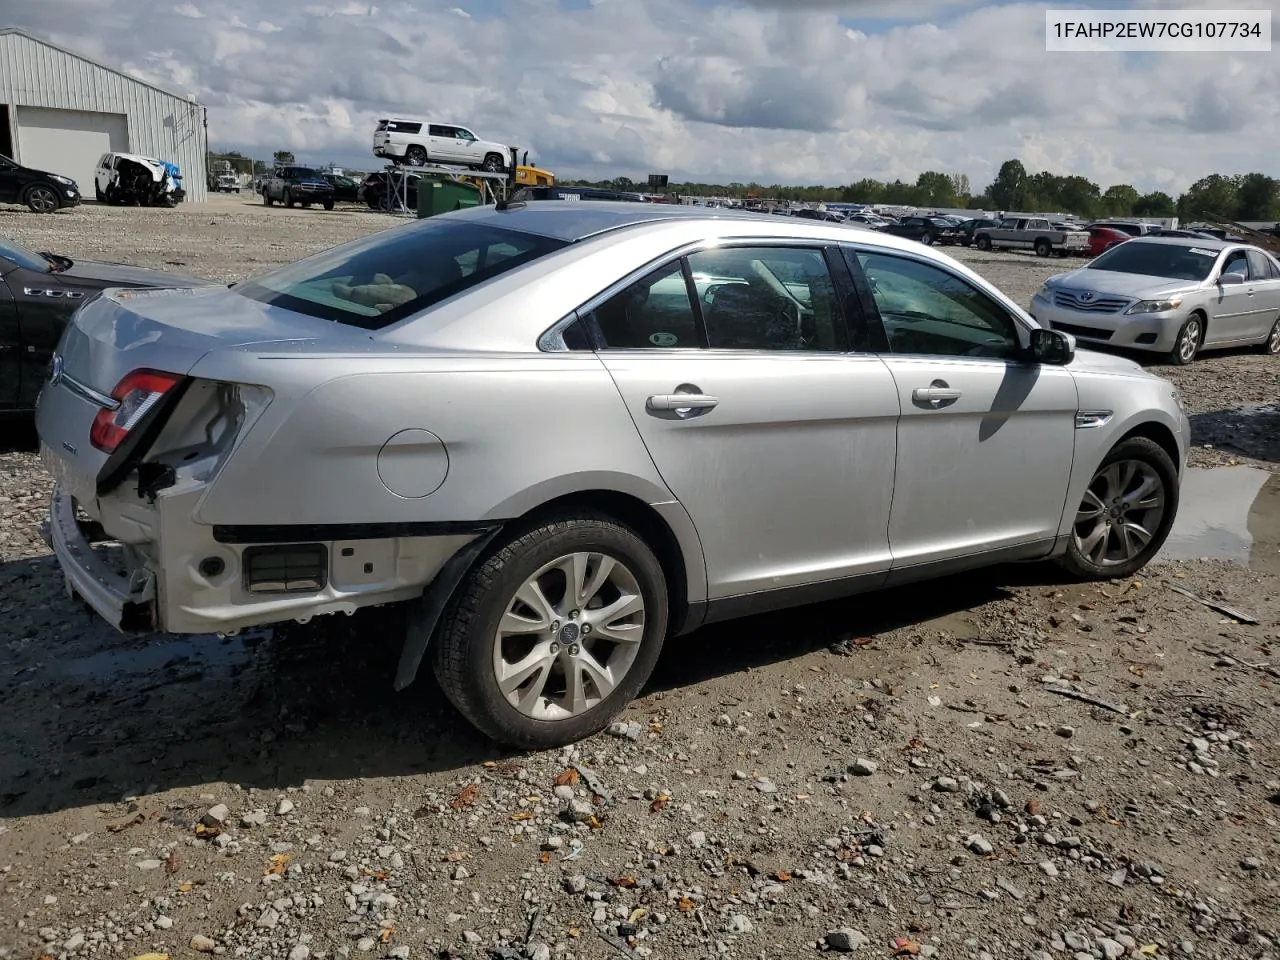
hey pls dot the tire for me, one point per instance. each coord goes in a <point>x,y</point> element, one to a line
<point>41,199</point>
<point>1189,340</point>
<point>328,204</point>
<point>984,244</point>
<point>1043,247</point>
<point>98,194</point>
<point>287,198</point>
<point>1271,345</point>
<point>416,156</point>
<point>492,163</point>
<point>926,238</point>
<point>266,198</point>
<point>305,205</point>
<point>469,647</point>
<point>1141,462</point>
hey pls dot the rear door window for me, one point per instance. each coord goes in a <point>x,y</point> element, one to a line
<point>654,312</point>
<point>1258,265</point>
<point>384,278</point>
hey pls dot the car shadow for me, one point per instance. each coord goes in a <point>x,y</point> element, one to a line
<point>1248,431</point>
<point>18,433</point>
<point>92,717</point>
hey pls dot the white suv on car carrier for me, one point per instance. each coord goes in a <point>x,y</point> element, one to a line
<point>417,142</point>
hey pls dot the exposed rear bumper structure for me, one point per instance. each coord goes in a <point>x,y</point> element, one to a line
<point>126,601</point>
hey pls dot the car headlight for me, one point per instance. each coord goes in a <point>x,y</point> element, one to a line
<point>1155,306</point>
<point>66,180</point>
<point>1044,293</point>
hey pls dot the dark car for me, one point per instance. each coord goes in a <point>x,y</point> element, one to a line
<point>928,230</point>
<point>404,191</point>
<point>297,185</point>
<point>42,192</point>
<point>969,226</point>
<point>826,215</point>
<point>38,294</point>
<point>345,189</point>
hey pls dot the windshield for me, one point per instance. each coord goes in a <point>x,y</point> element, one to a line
<point>23,257</point>
<point>1165,260</point>
<point>381,279</point>
<point>300,173</point>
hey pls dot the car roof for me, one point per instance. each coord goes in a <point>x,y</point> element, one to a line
<point>572,221</point>
<point>1204,243</point>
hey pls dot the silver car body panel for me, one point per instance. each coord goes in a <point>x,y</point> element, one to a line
<point>396,448</point>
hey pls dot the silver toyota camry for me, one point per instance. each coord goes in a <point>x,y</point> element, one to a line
<point>1172,295</point>
<point>565,433</point>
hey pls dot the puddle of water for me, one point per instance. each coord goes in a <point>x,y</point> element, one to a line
<point>1228,513</point>
<point>196,653</point>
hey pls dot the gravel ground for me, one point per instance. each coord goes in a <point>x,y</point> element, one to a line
<point>992,766</point>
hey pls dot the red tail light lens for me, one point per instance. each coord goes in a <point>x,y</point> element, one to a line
<point>137,393</point>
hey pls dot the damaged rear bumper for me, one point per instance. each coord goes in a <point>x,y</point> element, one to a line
<point>125,600</point>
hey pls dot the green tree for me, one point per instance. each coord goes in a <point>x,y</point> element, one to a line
<point>283,158</point>
<point>1009,189</point>
<point>934,189</point>
<point>1157,205</point>
<point>1257,197</point>
<point>864,191</point>
<point>1119,200</point>
<point>960,186</point>
<point>1214,196</point>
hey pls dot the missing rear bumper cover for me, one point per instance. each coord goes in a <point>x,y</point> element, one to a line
<point>291,568</point>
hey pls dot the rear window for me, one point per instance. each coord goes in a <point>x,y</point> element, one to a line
<point>398,126</point>
<point>381,279</point>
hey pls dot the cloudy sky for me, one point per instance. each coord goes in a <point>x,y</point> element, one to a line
<point>790,91</point>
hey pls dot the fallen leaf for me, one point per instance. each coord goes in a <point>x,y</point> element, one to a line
<point>387,934</point>
<point>185,887</point>
<point>466,798</point>
<point>523,815</point>
<point>381,875</point>
<point>638,914</point>
<point>903,947</point>
<point>152,956</point>
<point>207,832</point>
<point>567,778</point>
<point>626,883</point>
<point>117,827</point>
<point>1149,949</point>
<point>655,727</point>
<point>170,864</point>
<point>544,857</point>
<point>278,863</point>
<point>660,801</point>
<point>1033,807</point>
<point>455,856</point>
<point>915,743</point>
<point>1136,670</point>
<point>685,905</point>
<point>594,823</point>
<point>782,876</point>
<point>575,932</point>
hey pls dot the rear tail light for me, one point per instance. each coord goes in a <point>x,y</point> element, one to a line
<point>137,393</point>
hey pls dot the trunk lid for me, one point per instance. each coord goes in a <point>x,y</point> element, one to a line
<point>167,330</point>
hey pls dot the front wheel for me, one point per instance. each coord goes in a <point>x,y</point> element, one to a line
<point>328,204</point>
<point>287,199</point>
<point>415,156</point>
<point>984,243</point>
<point>1043,248</point>
<point>926,239</point>
<point>266,198</point>
<point>1187,345</point>
<point>1126,513</point>
<point>492,163</point>
<point>554,632</point>
<point>41,199</point>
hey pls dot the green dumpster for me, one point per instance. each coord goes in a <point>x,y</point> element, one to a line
<point>441,196</point>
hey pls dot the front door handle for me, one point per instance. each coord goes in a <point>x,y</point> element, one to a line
<point>936,394</point>
<point>681,401</point>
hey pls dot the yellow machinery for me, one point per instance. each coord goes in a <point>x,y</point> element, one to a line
<point>523,175</point>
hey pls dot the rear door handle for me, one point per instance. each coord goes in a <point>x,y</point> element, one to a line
<point>681,401</point>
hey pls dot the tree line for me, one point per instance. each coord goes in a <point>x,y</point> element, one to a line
<point>1248,196</point>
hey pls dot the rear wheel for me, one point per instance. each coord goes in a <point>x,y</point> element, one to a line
<point>41,199</point>
<point>1272,344</point>
<point>328,204</point>
<point>415,156</point>
<point>1126,513</point>
<point>554,632</point>
<point>1190,337</point>
<point>1043,247</point>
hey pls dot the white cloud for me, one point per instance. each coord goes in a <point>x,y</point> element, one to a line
<point>809,91</point>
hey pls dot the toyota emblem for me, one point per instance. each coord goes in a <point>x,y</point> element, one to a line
<point>1086,296</point>
<point>55,370</point>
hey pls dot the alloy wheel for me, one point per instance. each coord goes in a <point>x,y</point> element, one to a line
<point>1189,341</point>
<point>569,636</point>
<point>1273,341</point>
<point>42,200</point>
<point>1120,514</point>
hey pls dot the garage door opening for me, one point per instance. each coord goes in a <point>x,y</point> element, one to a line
<point>68,142</point>
<point>6,131</point>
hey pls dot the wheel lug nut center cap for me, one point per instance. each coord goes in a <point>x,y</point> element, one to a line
<point>569,633</point>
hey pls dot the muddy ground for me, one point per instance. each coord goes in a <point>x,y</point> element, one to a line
<point>1000,765</point>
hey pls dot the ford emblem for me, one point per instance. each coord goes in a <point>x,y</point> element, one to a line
<point>55,370</point>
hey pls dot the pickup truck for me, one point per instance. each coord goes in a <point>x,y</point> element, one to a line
<point>1032,233</point>
<point>294,185</point>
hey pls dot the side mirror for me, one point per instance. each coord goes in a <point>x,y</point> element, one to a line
<point>1230,280</point>
<point>1052,347</point>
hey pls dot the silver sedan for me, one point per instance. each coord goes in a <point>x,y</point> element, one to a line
<point>564,433</point>
<point>1171,295</point>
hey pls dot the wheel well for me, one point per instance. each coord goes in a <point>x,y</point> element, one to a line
<point>1204,323</point>
<point>1159,434</point>
<point>645,521</point>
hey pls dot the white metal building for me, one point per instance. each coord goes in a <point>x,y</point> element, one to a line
<point>60,112</point>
